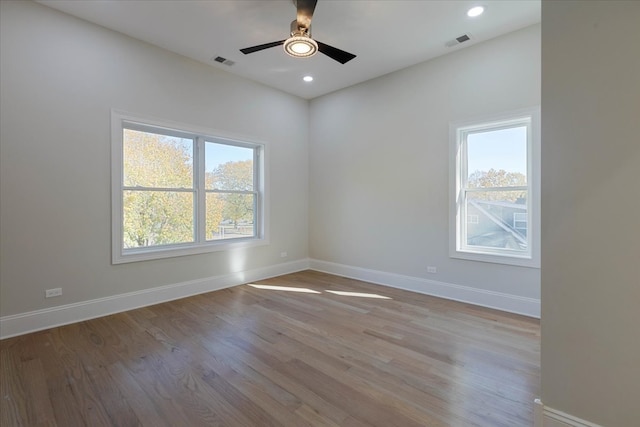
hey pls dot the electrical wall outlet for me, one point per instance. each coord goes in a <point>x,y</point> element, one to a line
<point>283,254</point>
<point>56,292</point>
<point>431,269</point>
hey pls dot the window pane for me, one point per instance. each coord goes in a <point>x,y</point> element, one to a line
<point>228,167</point>
<point>154,160</point>
<point>497,219</point>
<point>497,158</point>
<point>230,215</point>
<point>153,218</point>
<point>215,204</point>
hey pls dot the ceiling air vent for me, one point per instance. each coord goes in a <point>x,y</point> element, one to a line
<point>463,38</point>
<point>224,61</point>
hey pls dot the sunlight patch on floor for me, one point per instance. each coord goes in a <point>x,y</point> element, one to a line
<point>357,294</point>
<point>284,288</point>
<point>311,291</point>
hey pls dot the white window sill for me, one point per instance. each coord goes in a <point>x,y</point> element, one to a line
<point>520,261</point>
<point>147,254</point>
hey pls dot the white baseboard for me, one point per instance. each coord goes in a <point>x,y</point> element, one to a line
<point>545,416</point>
<point>501,301</point>
<point>33,321</point>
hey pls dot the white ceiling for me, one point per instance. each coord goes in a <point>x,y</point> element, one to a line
<point>386,35</point>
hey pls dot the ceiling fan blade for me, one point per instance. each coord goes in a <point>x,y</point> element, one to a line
<point>305,12</point>
<point>334,53</point>
<point>259,47</point>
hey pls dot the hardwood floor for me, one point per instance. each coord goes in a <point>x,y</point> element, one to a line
<point>296,353</point>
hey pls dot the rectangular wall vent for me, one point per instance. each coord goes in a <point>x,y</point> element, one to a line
<point>224,61</point>
<point>461,39</point>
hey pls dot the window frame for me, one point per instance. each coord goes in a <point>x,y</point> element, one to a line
<point>121,120</point>
<point>458,176</point>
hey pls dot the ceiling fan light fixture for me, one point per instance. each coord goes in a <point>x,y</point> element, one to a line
<point>300,46</point>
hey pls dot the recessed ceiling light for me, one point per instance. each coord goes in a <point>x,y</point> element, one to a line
<point>475,11</point>
<point>307,79</point>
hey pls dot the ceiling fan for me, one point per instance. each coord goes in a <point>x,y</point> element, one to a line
<point>300,44</point>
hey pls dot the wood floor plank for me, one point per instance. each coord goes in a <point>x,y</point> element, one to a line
<point>149,411</point>
<point>13,405</point>
<point>272,370</point>
<point>304,349</point>
<point>36,386</point>
<point>352,399</point>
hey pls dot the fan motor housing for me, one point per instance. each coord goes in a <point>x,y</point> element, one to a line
<point>297,30</point>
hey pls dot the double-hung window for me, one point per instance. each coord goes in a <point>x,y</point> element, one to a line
<point>495,189</point>
<point>177,190</point>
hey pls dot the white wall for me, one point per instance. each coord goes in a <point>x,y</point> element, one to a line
<point>379,193</point>
<point>376,197</point>
<point>60,77</point>
<point>590,210</point>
